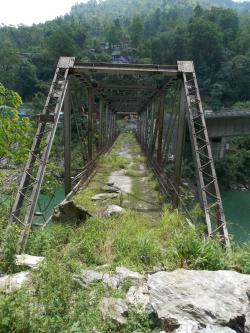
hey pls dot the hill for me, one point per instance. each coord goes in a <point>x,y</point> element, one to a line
<point>127,8</point>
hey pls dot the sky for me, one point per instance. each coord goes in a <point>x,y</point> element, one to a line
<point>34,11</point>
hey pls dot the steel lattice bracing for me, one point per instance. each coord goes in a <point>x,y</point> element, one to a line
<point>94,94</point>
<point>162,134</point>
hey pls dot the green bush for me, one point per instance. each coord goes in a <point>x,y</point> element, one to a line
<point>128,240</point>
<point>113,162</point>
<point>42,241</point>
<point>15,310</point>
<point>9,247</point>
<point>186,247</point>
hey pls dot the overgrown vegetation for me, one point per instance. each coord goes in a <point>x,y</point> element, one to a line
<point>235,167</point>
<point>56,303</point>
<point>217,39</point>
<point>15,132</point>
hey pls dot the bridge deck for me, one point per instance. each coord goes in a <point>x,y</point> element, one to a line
<point>125,168</point>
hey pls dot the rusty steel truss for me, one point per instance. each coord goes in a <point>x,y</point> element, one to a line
<point>139,90</point>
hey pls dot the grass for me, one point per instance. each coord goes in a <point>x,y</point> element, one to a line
<point>56,303</point>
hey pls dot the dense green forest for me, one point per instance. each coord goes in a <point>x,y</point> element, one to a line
<point>215,34</point>
<point>161,31</point>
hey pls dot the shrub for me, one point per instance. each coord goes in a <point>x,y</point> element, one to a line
<point>42,241</point>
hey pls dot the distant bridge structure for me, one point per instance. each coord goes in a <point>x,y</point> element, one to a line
<point>167,101</point>
<point>222,126</point>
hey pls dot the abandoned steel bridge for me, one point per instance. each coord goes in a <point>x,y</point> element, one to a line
<point>166,102</point>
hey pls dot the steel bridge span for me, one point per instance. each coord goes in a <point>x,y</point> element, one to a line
<point>167,101</point>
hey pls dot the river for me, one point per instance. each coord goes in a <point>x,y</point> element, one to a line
<point>237,211</point>
<point>236,205</point>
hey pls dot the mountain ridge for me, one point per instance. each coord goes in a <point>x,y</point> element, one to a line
<point>129,8</point>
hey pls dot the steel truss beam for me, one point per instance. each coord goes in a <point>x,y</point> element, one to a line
<point>163,137</point>
<point>160,132</point>
<point>169,70</point>
<point>58,100</point>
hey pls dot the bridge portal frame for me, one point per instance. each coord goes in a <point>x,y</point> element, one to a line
<point>150,134</point>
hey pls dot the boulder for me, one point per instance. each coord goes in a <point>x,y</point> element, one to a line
<point>88,276</point>
<point>124,274</point>
<point>114,209</point>
<point>114,308</point>
<point>216,329</point>
<point>13,282</point>
<point>110,189</point>
<point>69,211</point>
<point>138,296</point>
<point>111,281</point>
<point>187,326</point>
<point>104,196</point>
<point>27,260</point>
<point>185,301</point>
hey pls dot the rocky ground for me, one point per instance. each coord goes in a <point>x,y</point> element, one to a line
<point>182,301</point>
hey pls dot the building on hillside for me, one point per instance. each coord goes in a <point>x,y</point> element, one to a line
<point>117,58</point>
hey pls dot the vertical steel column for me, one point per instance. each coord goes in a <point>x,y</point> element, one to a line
<point>143,129</point>
<point>100,123</point>
<point>139,127</point>
<point>106,125</point>
<point>147,127</point>
<point>160,124</point>
<point>155,131</point>
<point>67,141</point>
<point>152,120</point>
<point>90,122</point>
<point>111,126</point>
<point>180,145</point>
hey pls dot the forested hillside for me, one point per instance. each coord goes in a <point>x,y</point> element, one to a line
<point>159,31</point>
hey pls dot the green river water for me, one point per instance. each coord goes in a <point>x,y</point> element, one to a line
<point>236,205</point>
<point>237,210</point>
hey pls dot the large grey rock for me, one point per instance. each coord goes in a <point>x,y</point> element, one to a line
<point>125,273</point>
<point>207,298</point>
<point>110,189</point>
<point>138,296</point>
<point>114,210</point>
<point>114,308</point>
<point>187,326</point>
<point>13,282</point>
<point>69,211</point>
<point>216,329</point>
<point>28,260</point>
<point>88,276</point>
<point>111,281</point>
<point>104,196</point>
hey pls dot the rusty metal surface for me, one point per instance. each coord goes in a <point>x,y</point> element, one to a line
<point>160,130</point>
<point>170,70</point>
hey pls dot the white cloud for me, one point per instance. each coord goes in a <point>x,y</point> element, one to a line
<point>33,11</point>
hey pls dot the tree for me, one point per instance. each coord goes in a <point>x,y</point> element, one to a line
<point>206,42</point>
<point>9,60</point>
<point>61,43</point>
<point>26,80</point>
<point>136,31</point>
<point>15,133</point>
